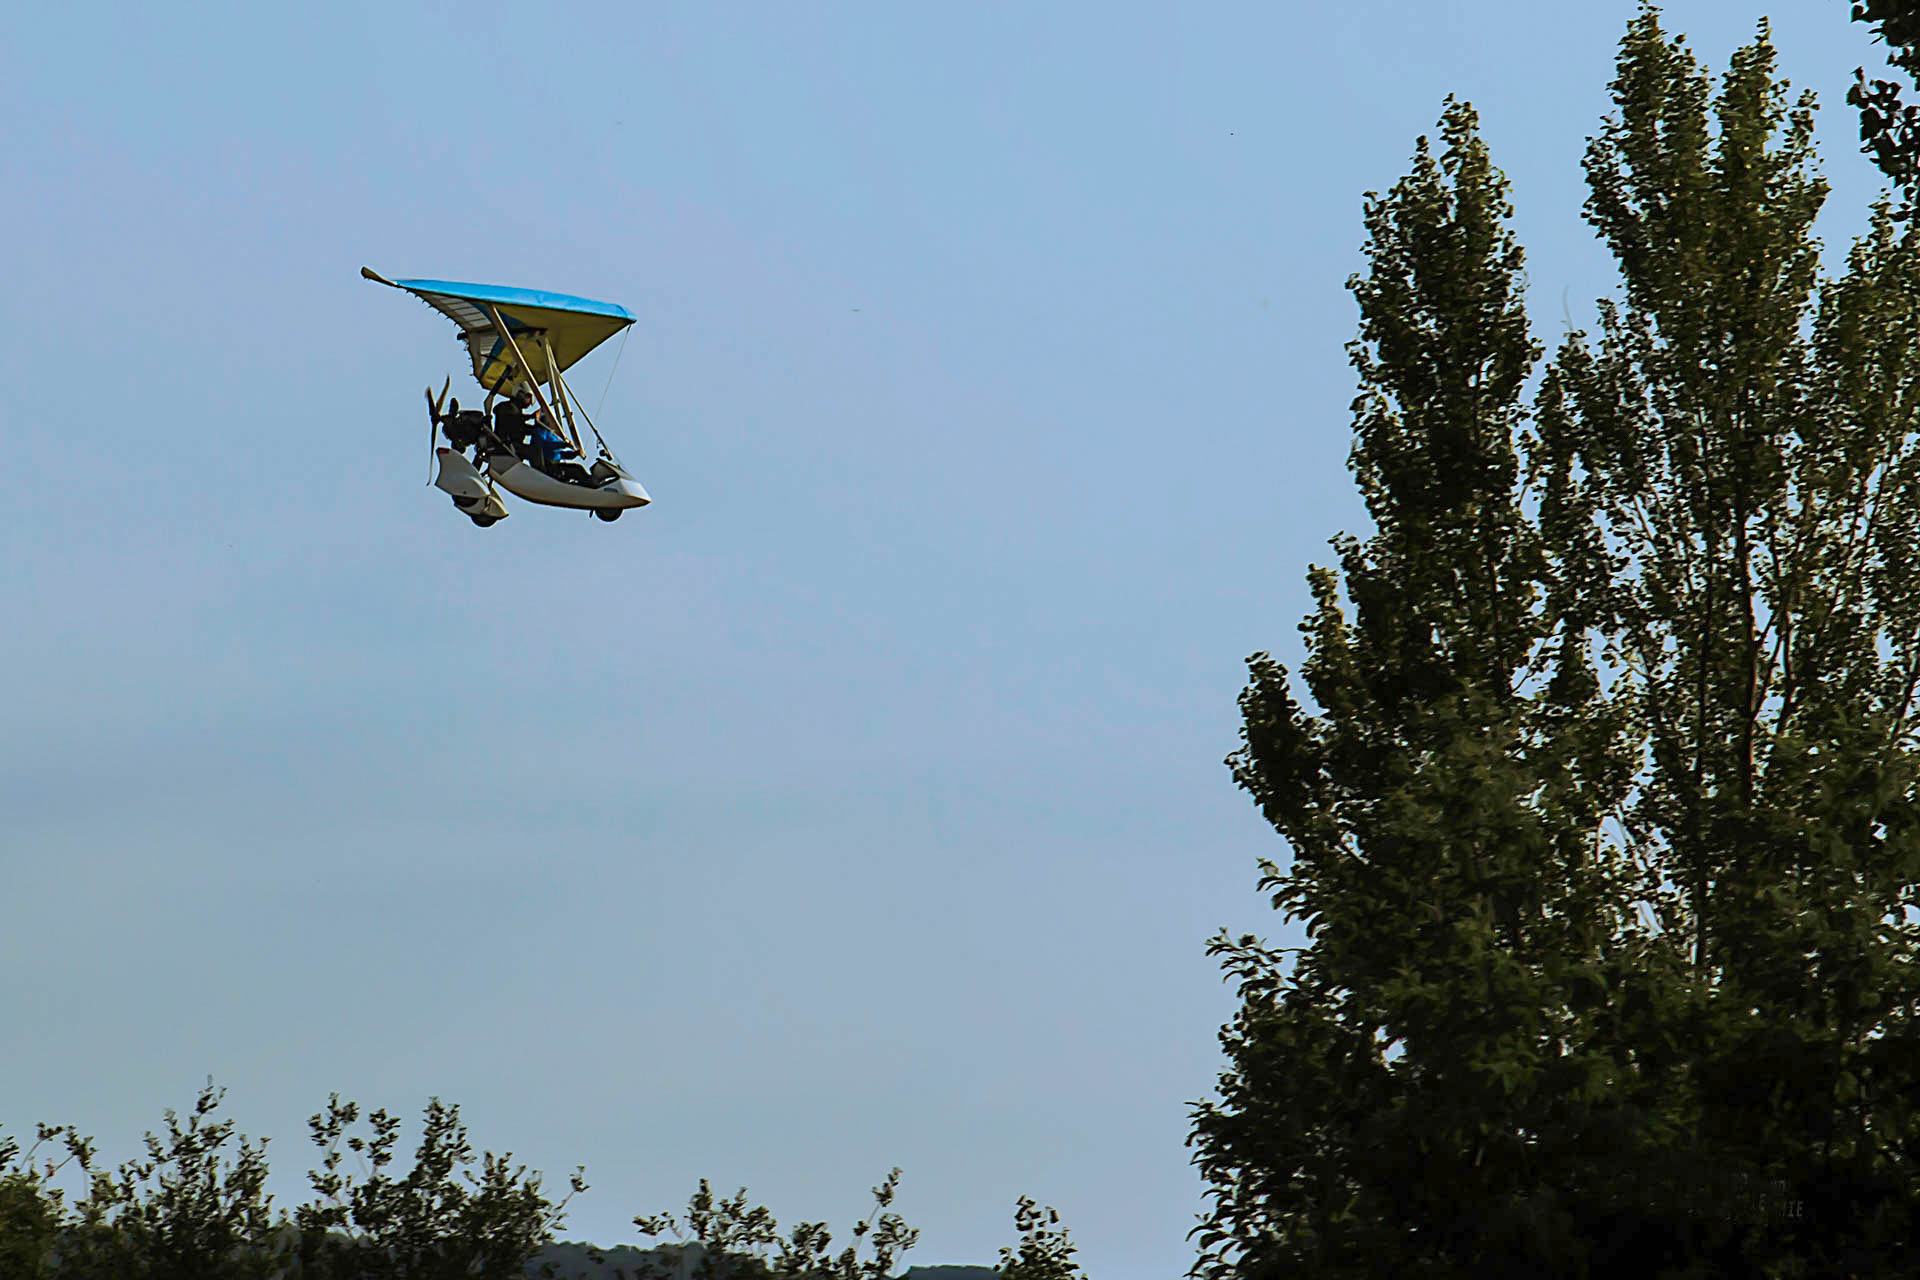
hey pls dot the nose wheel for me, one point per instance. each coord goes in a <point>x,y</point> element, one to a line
<point>482,510</point>
<point>609,514</point>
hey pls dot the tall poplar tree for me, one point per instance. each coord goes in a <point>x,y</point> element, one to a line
<point>1603,827</point>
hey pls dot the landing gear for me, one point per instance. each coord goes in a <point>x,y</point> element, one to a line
<point>609,514</point>
<point>483,509</point>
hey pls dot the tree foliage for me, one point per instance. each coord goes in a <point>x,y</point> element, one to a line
<point>727,1239</point>
<point>1890,127</point>
<point>427,1225</point>
<point>1603,827</point>
<point>1045,1251</point>
<point>738,1242</point>
<point>30,1213</point>
<point>196,1208</point>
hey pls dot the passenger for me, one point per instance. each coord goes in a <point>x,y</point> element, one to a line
<point>548,447</point>
<point>557,457</point>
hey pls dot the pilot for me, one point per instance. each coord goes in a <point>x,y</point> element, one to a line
<point>510,418</point>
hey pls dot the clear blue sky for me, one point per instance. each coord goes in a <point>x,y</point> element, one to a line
<point>860,802</point>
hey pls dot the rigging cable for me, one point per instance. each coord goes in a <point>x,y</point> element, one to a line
<point>583,413</point>
<point>624,335</point>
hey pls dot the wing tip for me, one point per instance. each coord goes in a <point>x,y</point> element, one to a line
<point>368,273</point>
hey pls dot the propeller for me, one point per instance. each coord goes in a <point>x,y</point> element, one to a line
<point>433,422</point>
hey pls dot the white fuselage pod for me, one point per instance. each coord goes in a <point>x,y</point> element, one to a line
<point>460,480</point>
<point>612,488</point>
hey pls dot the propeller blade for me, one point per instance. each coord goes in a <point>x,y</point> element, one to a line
<point>434,405</point>
<point>433,431</point>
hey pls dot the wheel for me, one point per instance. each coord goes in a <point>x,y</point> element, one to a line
<point>609,514</point>
<point>485,521</point>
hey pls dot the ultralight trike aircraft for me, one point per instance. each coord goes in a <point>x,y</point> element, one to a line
<point>520,341</point>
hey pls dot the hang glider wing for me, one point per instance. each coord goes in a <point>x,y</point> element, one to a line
<point>537,322</point>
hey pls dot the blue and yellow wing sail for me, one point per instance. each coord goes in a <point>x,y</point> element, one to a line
<point>571,327</point>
